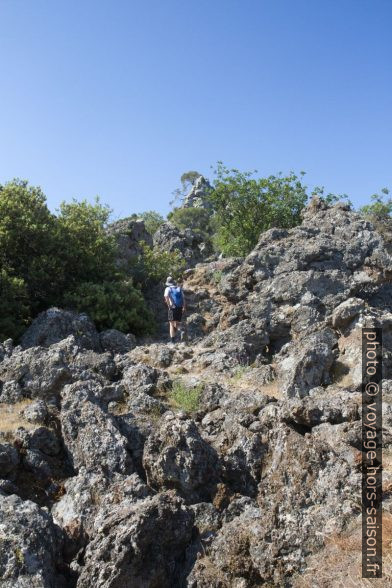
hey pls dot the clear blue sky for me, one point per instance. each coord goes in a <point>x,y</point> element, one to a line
<point>119,98</point>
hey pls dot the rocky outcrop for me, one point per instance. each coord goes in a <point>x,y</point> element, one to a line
<point>129,233</point>
<point>230,461</point>
<point>196,197</point>
<point>190,245</point>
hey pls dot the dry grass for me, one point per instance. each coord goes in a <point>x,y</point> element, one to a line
<point>339,564</point>
<point>11,419</point>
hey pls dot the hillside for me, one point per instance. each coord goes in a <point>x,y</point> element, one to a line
<point>229,461</point>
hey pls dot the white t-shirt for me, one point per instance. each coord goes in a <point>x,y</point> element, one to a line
<point>167,295</point>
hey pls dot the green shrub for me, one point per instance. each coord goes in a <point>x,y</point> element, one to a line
<point>112,305</point>
<point>245,207</point>
<point>184,397</point>
<point>152,220</point>
<point>197,219</point>
<point>154,265</point>
<point>88,253</point>
<point>28,241</point>
<point>14,307</point>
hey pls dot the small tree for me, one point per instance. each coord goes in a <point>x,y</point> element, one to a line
<point>152,220</point>
<point>197,219</point>
<point>379,212</point>
<point>113,305</point>
<point>187,180</point>
<point>245,207</point>
<point>153,265</point>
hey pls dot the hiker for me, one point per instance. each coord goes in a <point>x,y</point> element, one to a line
<point>175,300</point>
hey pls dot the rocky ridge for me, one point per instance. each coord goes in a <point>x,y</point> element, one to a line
<point>105,480</point>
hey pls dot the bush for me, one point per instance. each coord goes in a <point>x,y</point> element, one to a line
<point>379,213</point>
<point>184,397</point>
<point>28,243</point>
<point>152,220</point>
<point>14,307</point>
<point>197,219</point>
<point>67,259</point>
<point>112,305</point>
<point>245,207</point>
<point>88,253</point>
<point>154,265</point>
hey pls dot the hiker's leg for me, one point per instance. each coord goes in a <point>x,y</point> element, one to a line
<point>172,326</point>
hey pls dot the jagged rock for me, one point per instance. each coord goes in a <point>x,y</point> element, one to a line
<point>38,371</point>
<point>310,364</point>
<point>197,195</point>
<point>30,550</point>
<point>129,233</point>
<point>156,531</point>
<point>83,422</point>
<point>321,406</point>
<point>36,412</point>
<point>177,457</point>
<point>56,324</point>
<point>190,245</point>
<point>270,462</point>
<point>9,459</point>
<point>117,342</point>
<point>10,391</point>
<point>347,311</point>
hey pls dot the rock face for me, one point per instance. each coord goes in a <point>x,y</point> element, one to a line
<point>196,197</point>
<point>128,234</point>
<point>233,461</point>
<point>187,243</point>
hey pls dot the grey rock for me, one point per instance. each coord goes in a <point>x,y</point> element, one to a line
<point>38,371</point>
<point>56,324</point>
<point>129,233</point>
<point>309,365</point>
<point>83,421</point>
<point>346,312</point>
<point>36,412</point>
<point>31,544</point>
<point>197,195</point>
<point>191,246</point>
<point>177,457</point>
<point>156,530</point>
<point>9,459</point>
<point>117,342</point>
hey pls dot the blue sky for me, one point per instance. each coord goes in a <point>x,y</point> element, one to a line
<point>119,98</point>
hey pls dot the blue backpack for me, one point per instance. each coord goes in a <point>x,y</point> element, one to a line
<point>177,296</point>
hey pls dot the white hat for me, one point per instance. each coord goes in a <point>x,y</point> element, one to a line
<point>170,281</point>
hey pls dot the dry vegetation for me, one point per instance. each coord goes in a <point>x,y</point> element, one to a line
<point>11,418</point>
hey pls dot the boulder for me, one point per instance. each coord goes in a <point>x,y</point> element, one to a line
<point>56,324</point>
<point>31,544</point>
<point>177,457</point>
<point>84,422</point>
<point>155,531</point>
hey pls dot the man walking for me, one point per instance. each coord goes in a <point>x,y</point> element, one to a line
<point>175,301</point>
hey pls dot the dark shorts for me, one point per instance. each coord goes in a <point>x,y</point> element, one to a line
<point>174,314</point>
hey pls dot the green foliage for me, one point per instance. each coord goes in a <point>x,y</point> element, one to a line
<point>217,277</point>
<point>379,212</point>
<point>14,307</point>
<point>28,244</point>
<point>378,209</point>
<point>152,220</point>
<point>153,265</point>
<point>115,305</point>
<point>187,180</point>
<point>66,259</point>
<point>184,397</point>
<point>87,251</point>
<point>197,219</point>
<point>245,207</point>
